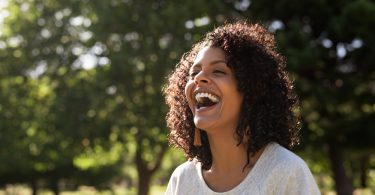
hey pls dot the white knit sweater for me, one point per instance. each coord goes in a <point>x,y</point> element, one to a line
<point>278,171</point>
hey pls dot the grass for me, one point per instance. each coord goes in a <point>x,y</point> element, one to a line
<point>83,190</point>
<point>155,190</point>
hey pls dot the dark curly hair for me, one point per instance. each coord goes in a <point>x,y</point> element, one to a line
<point>268,112</point>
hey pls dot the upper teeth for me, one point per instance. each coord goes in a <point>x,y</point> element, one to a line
<point>199,97</point>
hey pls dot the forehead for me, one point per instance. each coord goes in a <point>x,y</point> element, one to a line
<point>208,54</point>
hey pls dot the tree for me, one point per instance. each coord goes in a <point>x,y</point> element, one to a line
<point>328,46</point>
<point>49,100</point>
<point>142,50</point>
<point>81,82</point>
<point>102,65</point>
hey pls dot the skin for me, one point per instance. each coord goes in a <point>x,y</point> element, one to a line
<point>210,73</point>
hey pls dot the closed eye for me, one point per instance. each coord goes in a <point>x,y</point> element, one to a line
<point>193,74</point>
<point>219,72</point>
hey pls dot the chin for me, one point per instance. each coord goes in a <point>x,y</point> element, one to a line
<point>203,125</point>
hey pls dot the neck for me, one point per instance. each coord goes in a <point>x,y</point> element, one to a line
<point>228,160</point>
<point>227,156</point>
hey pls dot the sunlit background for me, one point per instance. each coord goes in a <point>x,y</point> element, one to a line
<point>81,107</point>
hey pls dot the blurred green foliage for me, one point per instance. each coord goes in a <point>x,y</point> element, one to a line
<point>80,85</point>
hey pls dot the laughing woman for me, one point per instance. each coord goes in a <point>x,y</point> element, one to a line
<point>232,113</point>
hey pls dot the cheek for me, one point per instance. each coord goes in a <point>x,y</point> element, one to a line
<point>188,91</point>
<point>188,87</point>
<point>239,100</point>
<point>236,97</point>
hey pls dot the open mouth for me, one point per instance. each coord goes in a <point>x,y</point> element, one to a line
<point>205,100</point>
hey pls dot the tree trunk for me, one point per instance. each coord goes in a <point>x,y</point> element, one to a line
<point>144,182</point>
<point>342,183</point>
<point>145,171</point>
<point>34,188</point>
<point>363,170</point>
<point>55,187</point>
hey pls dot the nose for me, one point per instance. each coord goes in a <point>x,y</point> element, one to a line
<point>201,78</point>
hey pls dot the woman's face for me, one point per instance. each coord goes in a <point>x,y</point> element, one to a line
<point>211,91</point>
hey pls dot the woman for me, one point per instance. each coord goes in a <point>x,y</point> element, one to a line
<point>232,112</point>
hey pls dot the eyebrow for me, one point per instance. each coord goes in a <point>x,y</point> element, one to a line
<point>211,63</point>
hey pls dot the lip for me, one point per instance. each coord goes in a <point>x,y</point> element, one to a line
<point>206,109</point>
<point>203,90</point>
<point>208,90</point>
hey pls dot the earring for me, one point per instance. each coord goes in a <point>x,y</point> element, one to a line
<point>197,137</point>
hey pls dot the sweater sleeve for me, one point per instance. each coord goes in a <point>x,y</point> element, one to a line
<point>301,181</point>
<point>172,184</point>
<point>177,182</point>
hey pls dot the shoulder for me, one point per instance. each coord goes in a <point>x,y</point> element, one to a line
<point>280,158</point>
<point>186,168</point>
<point>285,157</point>
<point>276,163</point>
<point>292,173</point>
<point>183,178</point>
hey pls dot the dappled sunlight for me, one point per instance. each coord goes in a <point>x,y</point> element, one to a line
<point>81,104</point>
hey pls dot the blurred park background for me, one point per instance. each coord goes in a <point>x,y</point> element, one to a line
<point>81,108</point>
